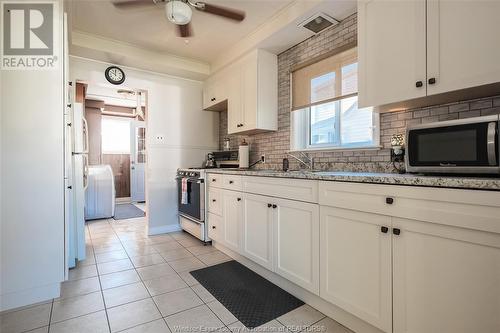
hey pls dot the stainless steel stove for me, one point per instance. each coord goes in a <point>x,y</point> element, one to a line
<point>192,213</point>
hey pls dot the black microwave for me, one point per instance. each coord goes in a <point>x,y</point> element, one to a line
<point>466,146</point>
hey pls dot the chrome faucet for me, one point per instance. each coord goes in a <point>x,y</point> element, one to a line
<point>305,160</point>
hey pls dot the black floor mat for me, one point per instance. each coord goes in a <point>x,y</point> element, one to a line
<point>250,298</point>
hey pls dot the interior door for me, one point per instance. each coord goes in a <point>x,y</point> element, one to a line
<point>138,161</point>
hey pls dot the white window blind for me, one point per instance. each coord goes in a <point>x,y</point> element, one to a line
<point>325,113</point>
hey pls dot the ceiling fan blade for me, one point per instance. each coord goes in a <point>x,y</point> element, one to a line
<point>132,4</point>
<point>229,13</point>
<point>184,31</point>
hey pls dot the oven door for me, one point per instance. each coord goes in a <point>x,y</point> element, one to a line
<point>195,208</point>
<point>464,146</point>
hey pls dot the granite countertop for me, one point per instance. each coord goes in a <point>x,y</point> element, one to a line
<point>463,182</point>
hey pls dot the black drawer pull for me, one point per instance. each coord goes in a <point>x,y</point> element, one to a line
<point>396,231</point>
<point>274,206</point>
<point>213,227</point>
<point>269,205</point>
<point>238,199</point>
<point>230,182</point>
<point>214,180</point>
<point>419,84</point>
<point>384,229</point>
<point>389,201</point>
<point>213,200</point>
<point>432,80</point>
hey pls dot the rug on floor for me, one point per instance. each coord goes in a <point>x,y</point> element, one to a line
<point>127,211</point>
<point>247,295</point>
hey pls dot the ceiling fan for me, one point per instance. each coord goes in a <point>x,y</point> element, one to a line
<point>179,12</point>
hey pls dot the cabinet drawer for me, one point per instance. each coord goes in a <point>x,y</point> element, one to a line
<point>471,209</point>
<point>215,201</point>
<point>214,180</point>
<point>294,189</point>
<point>231,182</point>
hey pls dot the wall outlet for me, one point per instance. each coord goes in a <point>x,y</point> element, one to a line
<point>263,158</point>
<point>159,138</point>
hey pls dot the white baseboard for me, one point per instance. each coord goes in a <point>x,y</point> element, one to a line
<point>348,320</point>
<point>163,229</point>
<point>29,296</point>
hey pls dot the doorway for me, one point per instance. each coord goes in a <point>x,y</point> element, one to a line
<point>117,128</point>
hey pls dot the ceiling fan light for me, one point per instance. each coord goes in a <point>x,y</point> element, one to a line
<point>178,12</point>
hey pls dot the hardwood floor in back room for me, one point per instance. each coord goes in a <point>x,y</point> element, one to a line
<point>131,282</point>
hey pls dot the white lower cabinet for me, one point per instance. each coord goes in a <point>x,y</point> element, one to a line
<point>296,242</point>
<point>445,279</point>
<point>231,216</point>
<point>215,227</point>
<point>356,264</point>
<point>257,229</point>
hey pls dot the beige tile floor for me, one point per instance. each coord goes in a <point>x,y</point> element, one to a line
<point>131,282</point>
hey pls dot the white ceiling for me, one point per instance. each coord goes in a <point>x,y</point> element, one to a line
<point>148,27</point>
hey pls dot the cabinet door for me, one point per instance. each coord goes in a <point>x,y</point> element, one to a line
<point>231,214</point>
<point>355,264</point>
<point>462,49</point>
<point>391,51</point>
<point>208,94</point>
<point>296,243</point>
<point>257,233</point>
<point>234,102</point>
<point>446,279</point>
<point>249,92</point>
<point>215,227</point>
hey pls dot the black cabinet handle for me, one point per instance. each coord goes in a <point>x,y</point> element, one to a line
<point>396,231</point>
<point>68,105</point>
<point>389,201</point>
<point>213,227</point>
<point>384,229</point>
<point>432,80</point>
<point>269,205</point>
<point>214,180</point>
<point>238,199</point>
<point>213,200</point>
<point>419,84</point>
<point>213,99</point>
<point>230,182</point>
<point>274,206</point>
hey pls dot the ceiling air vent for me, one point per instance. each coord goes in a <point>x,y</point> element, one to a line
<point>318,22</point>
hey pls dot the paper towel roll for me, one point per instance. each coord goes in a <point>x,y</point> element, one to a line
<point>244,155</point>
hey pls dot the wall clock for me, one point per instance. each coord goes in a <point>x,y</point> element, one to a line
<point>114,75</point>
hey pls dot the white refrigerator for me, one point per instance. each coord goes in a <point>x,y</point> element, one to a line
<point>77,177</point>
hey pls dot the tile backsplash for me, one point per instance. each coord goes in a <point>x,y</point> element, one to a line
<point>275,144</point>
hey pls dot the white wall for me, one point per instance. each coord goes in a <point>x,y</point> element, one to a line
<point>174,111</point>
<point>32,185</point>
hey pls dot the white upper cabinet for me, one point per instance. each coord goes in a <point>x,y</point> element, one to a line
<point>215,93</point>
<point>413,49</point>
<point>250,90</point>
<point>391,51</point>
<point>462,44</point>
